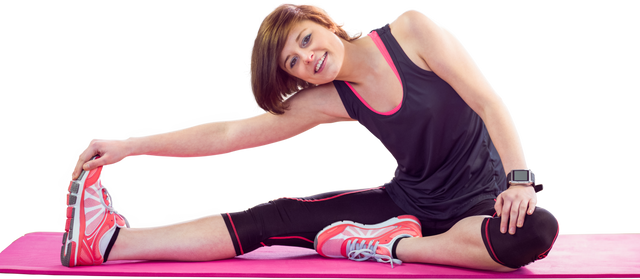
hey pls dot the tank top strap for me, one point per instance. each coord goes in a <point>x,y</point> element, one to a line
<point>385,53</point>
<point>387,57</point>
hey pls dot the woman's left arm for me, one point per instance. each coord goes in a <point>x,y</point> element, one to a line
<point>446,57</point>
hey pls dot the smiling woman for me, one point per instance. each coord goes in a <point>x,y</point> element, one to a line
<point>414,87</point>
<point>269,79</point>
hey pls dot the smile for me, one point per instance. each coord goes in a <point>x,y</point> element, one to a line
<point>320,64</point>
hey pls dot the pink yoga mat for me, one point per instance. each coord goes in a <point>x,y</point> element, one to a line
<point>573,256</point>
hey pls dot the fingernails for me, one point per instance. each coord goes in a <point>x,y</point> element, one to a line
<point>86,166</point>
<point>503,229</point>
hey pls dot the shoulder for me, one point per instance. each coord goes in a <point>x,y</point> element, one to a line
<point>414,24</point>
<point>408,29</point>
<point>321,102</point>
<point>432,40</point>
<point>446,57</point>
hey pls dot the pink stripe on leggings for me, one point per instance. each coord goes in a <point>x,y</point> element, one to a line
<point>236,233</point>
<point>336,196</point>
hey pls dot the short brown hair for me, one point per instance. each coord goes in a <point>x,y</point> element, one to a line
<point>271,85</point>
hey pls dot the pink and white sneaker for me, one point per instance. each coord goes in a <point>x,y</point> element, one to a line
<point>91,221</point>
<point>360,242</point>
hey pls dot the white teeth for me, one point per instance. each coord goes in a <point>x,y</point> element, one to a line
<point>320,62</point>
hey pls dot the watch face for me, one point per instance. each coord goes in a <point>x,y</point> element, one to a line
<point>520,175</point>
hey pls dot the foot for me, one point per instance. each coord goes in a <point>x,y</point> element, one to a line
<point>360,242</point>
<point>91,221</point>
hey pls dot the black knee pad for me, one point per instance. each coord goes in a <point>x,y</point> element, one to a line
<point>530,243</point>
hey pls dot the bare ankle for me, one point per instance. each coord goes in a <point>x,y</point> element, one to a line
<point>116,247</point>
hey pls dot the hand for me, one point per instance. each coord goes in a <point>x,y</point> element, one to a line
<point>513,205</point>
<point>110,151</point>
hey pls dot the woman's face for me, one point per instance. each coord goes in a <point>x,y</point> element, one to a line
<point>312,53</point>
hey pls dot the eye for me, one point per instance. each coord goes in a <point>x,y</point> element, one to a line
<point>305,40</point>
<point>293,62</point>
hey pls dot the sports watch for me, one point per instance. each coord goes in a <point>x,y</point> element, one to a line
<point>523,178</point>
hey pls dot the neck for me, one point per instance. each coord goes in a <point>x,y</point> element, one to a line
<point>359,62</point>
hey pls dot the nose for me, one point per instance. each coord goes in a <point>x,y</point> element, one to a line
<point>308,57</point>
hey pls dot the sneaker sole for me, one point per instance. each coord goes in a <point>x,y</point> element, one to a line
<point>389,222</point>
<point>74,227</point>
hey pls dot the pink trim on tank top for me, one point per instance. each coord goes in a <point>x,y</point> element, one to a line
<point>378,42</point>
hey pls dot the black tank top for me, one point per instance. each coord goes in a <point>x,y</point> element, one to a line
<point>446,160</point>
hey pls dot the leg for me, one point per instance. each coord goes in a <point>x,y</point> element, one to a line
<point>476,242</point>
<point>296,221</point>
<point>461,246</point>
<point>199,240</point>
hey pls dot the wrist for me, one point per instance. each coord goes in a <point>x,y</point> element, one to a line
<point>134,146</point>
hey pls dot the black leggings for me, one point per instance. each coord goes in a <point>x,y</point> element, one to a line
<point>296,221</point>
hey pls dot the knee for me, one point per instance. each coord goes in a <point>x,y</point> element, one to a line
<point>530,243</point>
<point>541,231</point>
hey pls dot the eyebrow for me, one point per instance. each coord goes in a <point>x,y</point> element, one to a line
<point>284,63</point>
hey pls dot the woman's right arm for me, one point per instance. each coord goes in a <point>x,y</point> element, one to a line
<point>307,109</point>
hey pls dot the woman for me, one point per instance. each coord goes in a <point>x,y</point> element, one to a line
<point>415,88</point>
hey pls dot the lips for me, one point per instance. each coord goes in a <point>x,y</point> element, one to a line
<point>320,64</point>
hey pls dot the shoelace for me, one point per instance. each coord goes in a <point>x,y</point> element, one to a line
<point>361,251</point>
<point>109,207</point>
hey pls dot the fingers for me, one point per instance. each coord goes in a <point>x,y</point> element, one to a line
<point>92,164</point>
<point>504,218</point>
<point>82,159</point>
<point>516,213</point>
<point>109,152</point>
<point>514,217</point>
<point>87,166</point>
<point>498,205</point>
<point>513,206</point>
<point>532,205</point>
<point>76,171</point>
<point>79,166</point>
<point>520,212</point>
<point>84,164</point>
